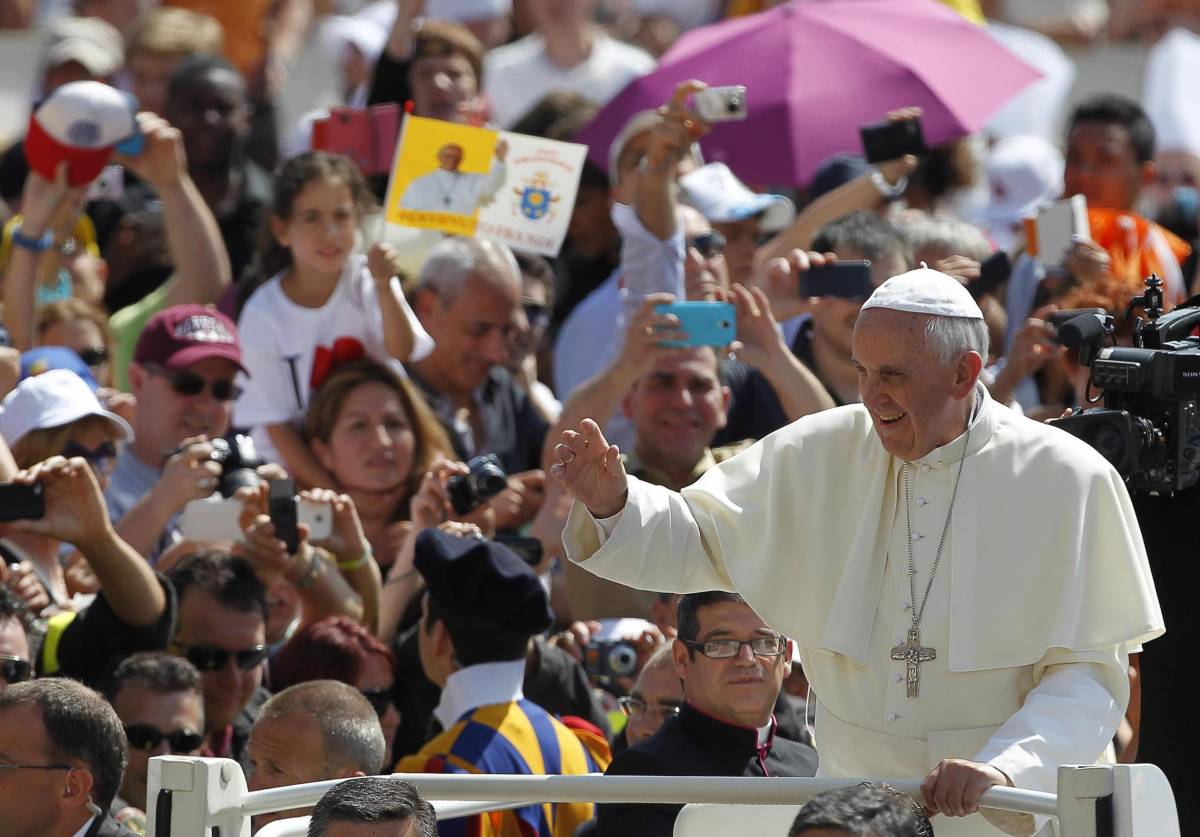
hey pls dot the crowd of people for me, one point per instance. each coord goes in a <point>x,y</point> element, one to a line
<point>269,493</point>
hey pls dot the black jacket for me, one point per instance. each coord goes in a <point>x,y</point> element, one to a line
<point>695,744</point>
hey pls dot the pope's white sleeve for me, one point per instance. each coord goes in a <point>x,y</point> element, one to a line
<point>606,525</point>
<point>1069,717</point>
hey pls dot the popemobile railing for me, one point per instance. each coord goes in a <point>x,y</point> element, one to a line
<point>191,795</point>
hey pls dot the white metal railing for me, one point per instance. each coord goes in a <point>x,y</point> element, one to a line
<point>204,793</point>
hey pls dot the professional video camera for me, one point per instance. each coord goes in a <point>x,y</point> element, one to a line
<point>1149,426</point>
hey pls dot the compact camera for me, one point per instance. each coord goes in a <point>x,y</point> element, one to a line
<point>485,478</point>
<point>1149,426</point>
<point>721,104</point>
<point>606,659</point>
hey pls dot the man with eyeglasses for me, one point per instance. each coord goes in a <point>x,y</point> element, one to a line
<point>157,697</point>
<point>222,632</point>
<point>62,756</point>
<point>732,666</point>
<point>183,372</point>
<point>657,695</point>
<point>17,630</point>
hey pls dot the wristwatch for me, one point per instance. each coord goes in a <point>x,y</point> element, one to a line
<point>37,245</point>
<point>886,189</point>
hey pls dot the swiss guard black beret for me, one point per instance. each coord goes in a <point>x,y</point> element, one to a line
<point>483,579</point>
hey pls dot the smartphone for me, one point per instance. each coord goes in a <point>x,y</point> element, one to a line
<point>281,506</point>
<point>530,549</point>
<point>1050,236</point>
<point>366,135</point>
<point>993,272</point>
<point>845,280</point>
<point>217,518</point>
<point>891,140</point>
<point>22,502</point>
<point>705,323</point>
<point>721,104</point>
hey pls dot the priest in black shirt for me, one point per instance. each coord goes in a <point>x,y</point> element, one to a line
<point>732,666</point>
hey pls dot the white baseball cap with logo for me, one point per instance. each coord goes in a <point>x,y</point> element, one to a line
<point>722,198</point>
<point>83,122</point>
<point>52,399</point>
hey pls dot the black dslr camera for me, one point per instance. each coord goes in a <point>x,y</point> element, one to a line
<point>1149,426</point>
<point>607,659</point>
<point>239,462</point>
<point>485,478</point>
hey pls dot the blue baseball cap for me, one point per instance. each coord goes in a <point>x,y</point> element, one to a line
<point>44,358</point>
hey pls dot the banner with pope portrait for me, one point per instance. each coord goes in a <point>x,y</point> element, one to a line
<point>465,180</point>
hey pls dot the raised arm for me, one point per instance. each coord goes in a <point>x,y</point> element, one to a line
<point>201,262</point>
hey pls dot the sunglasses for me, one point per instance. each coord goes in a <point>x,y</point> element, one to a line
<point>211,658</point>
<point>94,356</point>
<point>380,700</point>
<point>147,738</point>
<point>709,244</point>
<point>14,669</point>
<point>190,384</point>
<point>100,458</point>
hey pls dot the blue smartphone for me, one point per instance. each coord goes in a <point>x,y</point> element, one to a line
<point>705,323</point>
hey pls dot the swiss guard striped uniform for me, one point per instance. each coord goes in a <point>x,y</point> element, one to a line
<point>512,738</point>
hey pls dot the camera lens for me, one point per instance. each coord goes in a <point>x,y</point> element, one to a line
<point>622,660</point>
<point>734,104</point>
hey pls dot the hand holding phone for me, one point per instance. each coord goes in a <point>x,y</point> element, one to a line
<point>892,139</point>
<point>993,272</point>
<point>705,323</point>
<point>22,502</point>
<point>844,280</point>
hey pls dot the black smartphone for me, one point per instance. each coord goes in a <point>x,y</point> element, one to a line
<point>891,140</point>
<point>993,272</point>
<point>847,280</point>
<point>22,502</point>
<point>530,549</point>
<point>281,505</point>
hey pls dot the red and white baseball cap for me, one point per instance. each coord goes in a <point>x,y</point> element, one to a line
<point>82,123</point>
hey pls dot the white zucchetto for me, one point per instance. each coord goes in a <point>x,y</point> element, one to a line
<point>925,291</point>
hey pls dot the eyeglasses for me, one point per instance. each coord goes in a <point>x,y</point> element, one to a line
<point>536,314</point>
<point>145,737</point>
<point>190,384</point>
<point>15,669</point>
<point>94,355</point>
<point>101,458</point>
<point>710,244</point>
<point>724,649</point>
<point>635,707</point>
<point>212,658</point>
<point>380,700</point>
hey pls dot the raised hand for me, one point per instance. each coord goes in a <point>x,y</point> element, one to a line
<point>590,469</point>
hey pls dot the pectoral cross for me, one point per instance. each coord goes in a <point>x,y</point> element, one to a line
<point>913,654</point>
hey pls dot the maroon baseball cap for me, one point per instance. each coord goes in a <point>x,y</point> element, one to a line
<point>186,334</point>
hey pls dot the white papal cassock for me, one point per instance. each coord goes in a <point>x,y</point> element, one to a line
<point>1043,588</point>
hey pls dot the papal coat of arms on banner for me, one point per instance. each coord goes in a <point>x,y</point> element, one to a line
<point>536,199</point>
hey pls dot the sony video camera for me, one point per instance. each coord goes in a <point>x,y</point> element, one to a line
<point>1149,426</point>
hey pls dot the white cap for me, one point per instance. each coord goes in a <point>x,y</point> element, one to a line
<point>464,10</point>
<point>52,399</point>
<point>925,291</point>
<point>93,43</point>
<point>1022,173</point>
<point>721,197</point>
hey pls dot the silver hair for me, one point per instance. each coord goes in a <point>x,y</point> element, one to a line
<point>939,232</point>
<point>453,260</point>
<point>949,337</point>
<point>349,725</point>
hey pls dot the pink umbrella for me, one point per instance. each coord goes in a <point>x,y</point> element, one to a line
<point>816,70</point>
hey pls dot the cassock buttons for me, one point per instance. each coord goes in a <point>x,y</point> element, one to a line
<point>921,501</point>
<point>925,468</point>
<point>916,536</point>
<point>896,678</point>
<point>905,605</point>
<point>892,716</point>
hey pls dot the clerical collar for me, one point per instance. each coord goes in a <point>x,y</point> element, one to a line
<point>726,741</point>
<point>480,685</point>
<point>982,427</point>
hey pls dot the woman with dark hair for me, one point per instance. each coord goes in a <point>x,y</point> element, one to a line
<point>341,649</point>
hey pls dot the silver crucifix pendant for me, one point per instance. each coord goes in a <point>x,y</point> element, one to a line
<point>913,655</point>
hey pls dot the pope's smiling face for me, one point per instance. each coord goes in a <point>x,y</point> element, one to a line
<point>917,402</point>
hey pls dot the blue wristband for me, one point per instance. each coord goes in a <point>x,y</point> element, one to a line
<point>37,245</point>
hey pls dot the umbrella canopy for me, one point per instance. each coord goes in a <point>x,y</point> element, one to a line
<point>816,70</point>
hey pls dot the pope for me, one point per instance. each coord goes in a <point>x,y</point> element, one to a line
<point>964,584</point>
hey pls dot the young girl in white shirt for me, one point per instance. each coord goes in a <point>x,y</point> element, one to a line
<point>325,304</point>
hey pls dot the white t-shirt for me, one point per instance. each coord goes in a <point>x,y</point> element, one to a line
<point>289,349</point>
<point>519,75</point>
